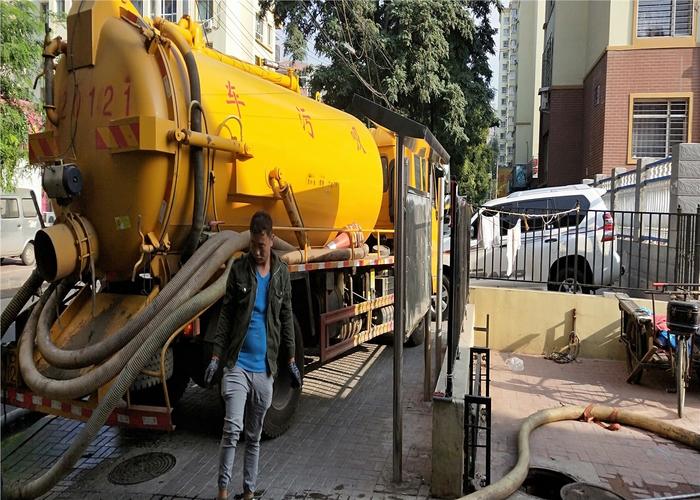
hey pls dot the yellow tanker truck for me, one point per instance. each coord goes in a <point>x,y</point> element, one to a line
<point>157,151</point>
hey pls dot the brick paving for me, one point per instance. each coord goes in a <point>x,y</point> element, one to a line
<point>631,462</point>
<point>339,446</point>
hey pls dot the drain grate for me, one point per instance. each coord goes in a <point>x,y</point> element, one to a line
<point>142,468</point>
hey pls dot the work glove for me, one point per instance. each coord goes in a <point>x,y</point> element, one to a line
<point>296,375</point>
<point>211,370</point>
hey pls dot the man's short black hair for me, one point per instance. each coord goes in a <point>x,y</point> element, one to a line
<point>260,223</point>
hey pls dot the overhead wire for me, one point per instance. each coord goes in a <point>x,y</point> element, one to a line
<point>349,63</point>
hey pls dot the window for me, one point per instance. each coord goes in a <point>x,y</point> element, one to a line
<point>504,90</point>
<point>169,10</point>
<point>205,9</point>
<point>664,18</point>
<point>259,28</point>
<point>139,5</point>
<point>596,95</point>
<point>505,66</point>
<point>503,101</point>
<point>9,208</point>
<point>270,36</point>
<point>60,6</point>
<point>28,208</point>
<point>658,124</point>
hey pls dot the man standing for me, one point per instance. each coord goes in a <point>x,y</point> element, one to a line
<point>254,324</point>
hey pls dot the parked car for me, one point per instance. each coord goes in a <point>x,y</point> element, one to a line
<point>20,222</point>
<point>577,248</point>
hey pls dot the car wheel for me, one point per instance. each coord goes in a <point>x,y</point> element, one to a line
<point>564,281</point>
<point>28,257</point>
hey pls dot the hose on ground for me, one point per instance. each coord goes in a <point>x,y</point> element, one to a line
<point>29,288</point>
<point>510,483</point>
<point>168,299</point>
<point>98,376</point>
<point>143,355</point>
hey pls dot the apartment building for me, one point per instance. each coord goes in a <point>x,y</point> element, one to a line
<point>508,71</point>
<point>620,81</point>
<point>232,27</point>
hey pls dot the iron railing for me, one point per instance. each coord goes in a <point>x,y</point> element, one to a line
<point>477,422</point>
<point>582,250</point>
<point>458,297</point>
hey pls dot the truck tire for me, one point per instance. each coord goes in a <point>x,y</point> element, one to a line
<point>176,384</point>
<point>285,398</point>
<point>445,300</point>
<point>27,256</point>
<point>417,337</point>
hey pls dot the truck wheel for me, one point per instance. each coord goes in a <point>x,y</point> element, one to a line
<point>28,258</point>
<point>444,300</point>
<point>285,398</point>
<point>176,384</point>
<point>417,337</point>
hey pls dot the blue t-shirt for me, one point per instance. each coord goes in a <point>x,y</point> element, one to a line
<point>253,355</point>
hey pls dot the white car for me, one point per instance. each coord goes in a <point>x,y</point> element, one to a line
<point>576,249</point>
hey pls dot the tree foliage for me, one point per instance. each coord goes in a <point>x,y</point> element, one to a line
<point>20,60</point>
<point>427,59</point>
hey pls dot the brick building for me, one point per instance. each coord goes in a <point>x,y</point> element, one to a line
<point>620,81</point>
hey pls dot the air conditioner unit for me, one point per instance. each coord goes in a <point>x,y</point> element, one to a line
<point>208,24</point>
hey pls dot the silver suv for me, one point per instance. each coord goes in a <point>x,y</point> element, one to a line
<point>573,249</point>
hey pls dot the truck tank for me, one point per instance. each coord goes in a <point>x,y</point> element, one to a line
<point>123,118</point>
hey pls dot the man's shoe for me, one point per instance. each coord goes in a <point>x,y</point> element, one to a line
<point>223,495</point>
<point>248,495</point>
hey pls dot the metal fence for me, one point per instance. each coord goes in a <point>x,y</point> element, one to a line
<point>582,250</point>
<point>460,215</point>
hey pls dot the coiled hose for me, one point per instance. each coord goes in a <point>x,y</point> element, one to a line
<point>176,319</point>
<point>169,298</point>
<point>95,378</point>
<point>29,288</point>
<point>510,483</point>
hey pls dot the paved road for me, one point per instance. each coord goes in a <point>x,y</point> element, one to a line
<point>12,275</point>
<point>339,445</point>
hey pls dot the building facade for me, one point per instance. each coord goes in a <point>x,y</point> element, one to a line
<point>507,84</point>
<point>620,81</point>
<point>529,78</point>
<point>232,27</point>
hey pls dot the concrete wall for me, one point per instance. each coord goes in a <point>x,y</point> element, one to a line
<point>539,322</point>
<point>621,22</point>
<point>598,31</point>
<point>646,263</point>
<point>570,29</point>
<point>530,46</point>
<point>685,176</point>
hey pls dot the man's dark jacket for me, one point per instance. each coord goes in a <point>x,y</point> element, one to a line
<point>237,309</point>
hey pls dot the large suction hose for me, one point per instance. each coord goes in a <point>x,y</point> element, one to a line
<point>170,296</point>
<point>29,288</point>
<point>152,344</point>
<point>171,31</point>
<point>510,483</point>
<point>97,377</point>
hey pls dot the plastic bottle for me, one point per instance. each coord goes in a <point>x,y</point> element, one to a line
<point>515,364</point>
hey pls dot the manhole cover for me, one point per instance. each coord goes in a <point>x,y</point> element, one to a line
<point>545,483</point>
<point>142,468</point>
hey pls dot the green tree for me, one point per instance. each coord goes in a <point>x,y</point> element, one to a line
<point>20,60</point>
<point>427,59</point>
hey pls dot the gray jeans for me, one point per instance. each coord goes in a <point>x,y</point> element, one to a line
<point>239,387</point>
